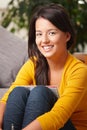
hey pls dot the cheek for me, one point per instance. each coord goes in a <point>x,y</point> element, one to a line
<point>37,42</point>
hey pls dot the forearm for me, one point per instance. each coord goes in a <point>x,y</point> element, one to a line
<point>35,125</point>
<point>2,109</point>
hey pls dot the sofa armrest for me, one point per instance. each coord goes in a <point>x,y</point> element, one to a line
<point>81,56</point>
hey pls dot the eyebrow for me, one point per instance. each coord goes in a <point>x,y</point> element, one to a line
<point>47,30</point>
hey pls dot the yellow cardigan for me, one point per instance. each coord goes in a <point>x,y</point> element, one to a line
<point>73,95</point>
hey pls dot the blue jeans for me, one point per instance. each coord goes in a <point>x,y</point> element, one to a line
<point>23,106</point>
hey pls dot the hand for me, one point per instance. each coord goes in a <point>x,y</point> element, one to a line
<point>34,125</point>
<point>0,127</point>
<point>2,109</point>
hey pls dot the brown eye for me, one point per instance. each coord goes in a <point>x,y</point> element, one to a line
<point>38,34</point>
<point>52,33</point>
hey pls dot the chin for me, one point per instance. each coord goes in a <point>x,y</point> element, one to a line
<point>48,57</point>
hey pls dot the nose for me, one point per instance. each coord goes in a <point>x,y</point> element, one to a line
<point>45,38</point>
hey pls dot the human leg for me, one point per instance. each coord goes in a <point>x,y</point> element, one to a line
<point>40,100</point>
<point>15,108</point>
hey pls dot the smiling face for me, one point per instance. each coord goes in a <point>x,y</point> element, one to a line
<point>50,41</point>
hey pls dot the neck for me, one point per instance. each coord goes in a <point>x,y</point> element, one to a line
<point>58,62</point>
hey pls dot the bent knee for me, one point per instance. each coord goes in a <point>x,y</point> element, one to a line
<point>19,91</point>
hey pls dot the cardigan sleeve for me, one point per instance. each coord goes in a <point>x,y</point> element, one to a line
<point>74,90</point>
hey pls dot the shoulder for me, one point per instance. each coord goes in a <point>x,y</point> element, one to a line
<point>28,64</point>
<point>27,70</point>
<point>75,66</point>
<point>72,61</point>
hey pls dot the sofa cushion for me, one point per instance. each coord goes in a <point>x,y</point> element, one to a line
<point>13,54</point>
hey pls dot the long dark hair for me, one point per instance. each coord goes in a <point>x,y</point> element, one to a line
<point>58,16</point>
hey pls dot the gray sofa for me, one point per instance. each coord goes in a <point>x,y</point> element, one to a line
<point>2,91</point>
<point>13,54</point>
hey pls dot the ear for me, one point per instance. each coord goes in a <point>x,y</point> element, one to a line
<point>68,36</point>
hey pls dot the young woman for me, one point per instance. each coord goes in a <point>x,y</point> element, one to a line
<point>50,63</point>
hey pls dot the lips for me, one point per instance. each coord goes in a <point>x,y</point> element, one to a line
<point>47,48</point>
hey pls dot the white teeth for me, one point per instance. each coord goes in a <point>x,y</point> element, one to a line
<point>47,47</point>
